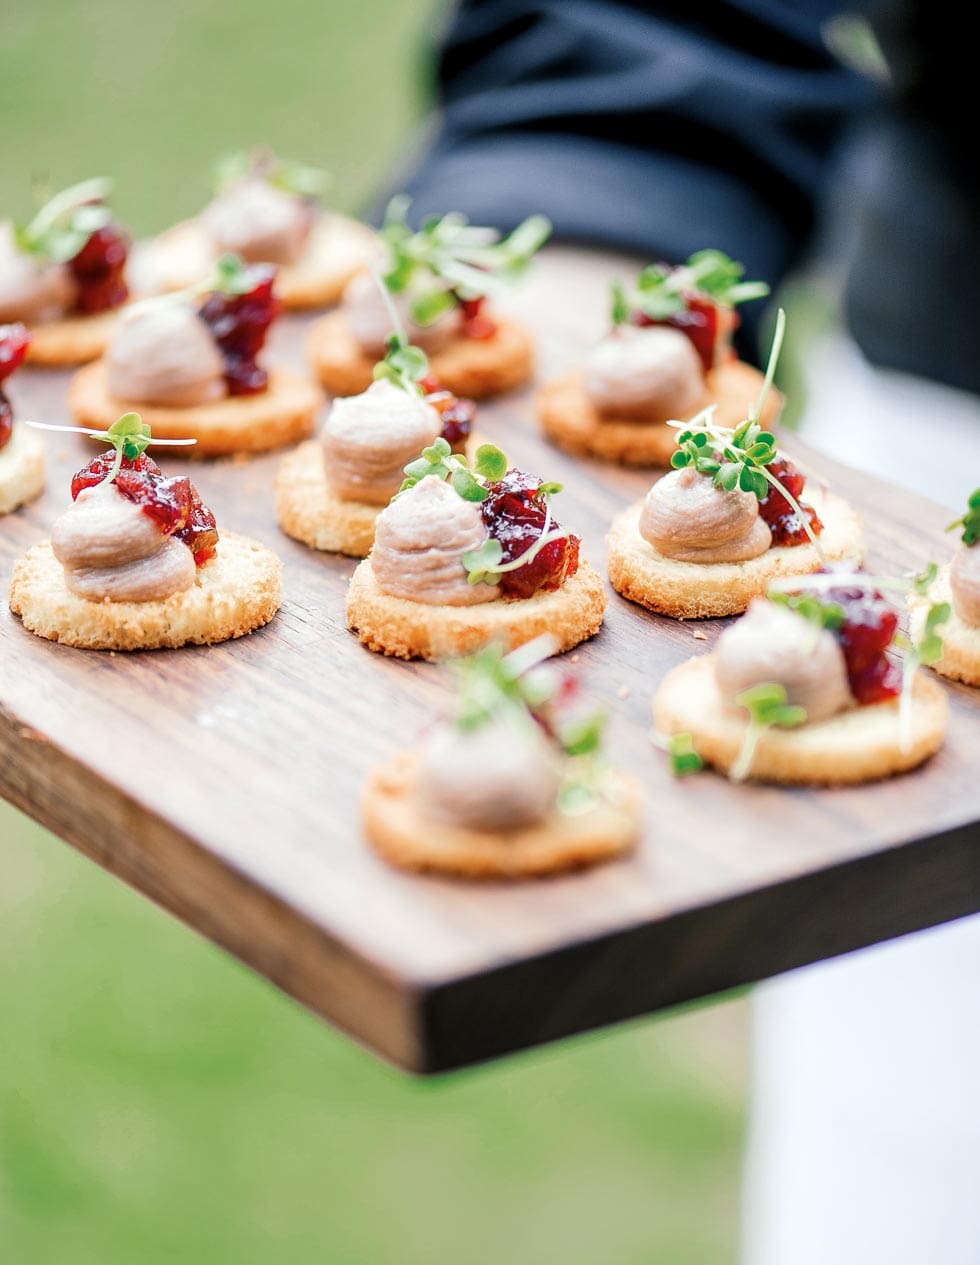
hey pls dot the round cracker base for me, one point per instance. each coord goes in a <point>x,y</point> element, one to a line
<point>860,745</point>
<point>21,469</point>
<point>572,422</point>
<point>405,837</point>
<point>417,630</point>
<point>471,367</point>
<point>961,642</point>
<point>282,414</point>
<point>308,510</point>
<point>697,590</point>
<point>338,248</point>
<point>239,590</point>
<point>74,340</point>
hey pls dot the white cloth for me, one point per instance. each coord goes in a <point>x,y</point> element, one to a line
<point>864,1138</point>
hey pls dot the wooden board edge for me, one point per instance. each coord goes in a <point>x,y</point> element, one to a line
<point>705,951</point>
<point>226,907</point>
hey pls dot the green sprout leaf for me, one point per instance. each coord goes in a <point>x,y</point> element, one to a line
<point>683,757</point>
<point>490,463</point>
<point>262,164</point>
<point>448,259</point>
<point>481,563</point>
<point>660,291</point>
<point>767,708</point>
<point>404,365</point>
<point>466,484</point>
<point>970,521</point>
<point>231,275</point>
<point>62,227</point>
<point>828,615</point>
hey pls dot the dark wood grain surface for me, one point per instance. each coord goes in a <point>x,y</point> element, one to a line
<point>223,782</point>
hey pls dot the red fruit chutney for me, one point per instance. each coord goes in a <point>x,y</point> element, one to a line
<point>514,513</point>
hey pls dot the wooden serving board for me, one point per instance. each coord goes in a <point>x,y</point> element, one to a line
<point>223,782</point>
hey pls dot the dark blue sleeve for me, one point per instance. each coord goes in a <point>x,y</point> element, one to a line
<point>661,128</point>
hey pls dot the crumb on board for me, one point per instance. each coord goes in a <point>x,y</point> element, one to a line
<point>623,691</point>
<point>573,658</point>
<point>698,635</point>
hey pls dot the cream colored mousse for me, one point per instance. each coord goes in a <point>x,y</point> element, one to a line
<point>162,353</point>
<point>964,583</point>
<point>771,644</point>
<point>261,223</point>
<point>369,320</point>
<point>368,440</point>
<point>502,775</point>
<point>112,552</point>
<point>645,375</point>
<point>686,517</point>
<point>31,290</point>
<point>419,542</point>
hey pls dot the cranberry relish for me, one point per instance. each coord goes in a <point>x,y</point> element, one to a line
<point>14,341</point>
<point>864,637</point>
<point>173,504</point>
<point>780,517</point>
<point>700,321</point>
<point>457,414</point>
<point>514,513</point>
<point>239,324</point>
<point>98,271</point>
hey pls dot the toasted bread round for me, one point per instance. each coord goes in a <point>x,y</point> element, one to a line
<point>74,340</point>
<point>961,642</point>
<point>472,367</point>
<point>573,423</point>
<point>308,510</point>
<point>403,835</point>
<point>859,745</point>
<point>282,414</point>
<point>238,591</point>
<point>697,590</point>
<point>417,630</point>
<point>21,469</point>
<point>338,248</point>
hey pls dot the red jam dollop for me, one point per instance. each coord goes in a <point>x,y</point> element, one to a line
<point>239,324</point>
<point>515,513</point>
<point>780,517</point>
<point>14,341</point>
<point>98,270</point>
<point>173,504</point>
<point>476,323</point>
<point>699,321</point>
<point>864,638</point>
<point>457,414</point>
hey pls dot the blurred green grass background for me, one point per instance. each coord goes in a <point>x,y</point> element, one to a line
<point>158,1102</point>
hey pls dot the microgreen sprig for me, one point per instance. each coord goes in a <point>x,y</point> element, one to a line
<point>449,259</point>
<point>284,173</point>
<point>439,459</point>
<point>926,651</point>
<point>659,291</point>
<point>485,565</point>
<point>970,521</point>
<point>61,227</point>
<point>404,365</point>
<point>767,708</point>
<point>130,437</point>
<point>681,753</point>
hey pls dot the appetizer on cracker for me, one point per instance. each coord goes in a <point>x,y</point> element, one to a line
<point>668,356</point>
<point>192,364</point>
<point>330,491</point>
<point>267,210</point>
<point>465,555</point>
<point>954,588</point>
<point>733,515</point>
<point>441,280</point>
<point>62,274</point>
<point>512,785</point>
<point>21,452</point>
<point>803,689</point>
<point>136,563</point>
